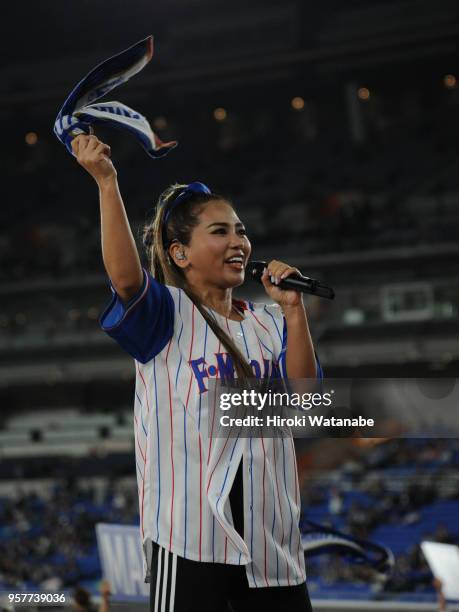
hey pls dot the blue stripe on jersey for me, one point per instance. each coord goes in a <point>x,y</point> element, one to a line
<point>251,508</point>
<point>159,460</point>
<point>184,431</point>
<point>140,471</point>
<point>226,473</point>
<point>226,476</point>
<point>320,372</point>
<point>178,341</point>
<point>186,478</point>
<point>274,524</point>
<point>245,341</point>
<point>283,338</point>
<point>200,395</point>
<point>283,353</point>
<point>141,413</point>
<point>274,321</point>
<point>264,345</point>
<point>282,362</point>
<point>199,428</point>
<point>288,499</point>
<point>248,356</point>
<point>213,538</point>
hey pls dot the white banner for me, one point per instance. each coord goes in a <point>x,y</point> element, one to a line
<point>120,553</point>
<point>443,560</point>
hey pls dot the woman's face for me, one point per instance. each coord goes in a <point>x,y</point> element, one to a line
<point>219,248</point>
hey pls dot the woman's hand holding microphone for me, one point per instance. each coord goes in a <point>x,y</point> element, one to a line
<point>272,276</point>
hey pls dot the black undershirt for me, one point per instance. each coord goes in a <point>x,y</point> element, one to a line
<point>236,497</point>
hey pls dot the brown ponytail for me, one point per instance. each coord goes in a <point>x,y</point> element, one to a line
<point>179,227</point>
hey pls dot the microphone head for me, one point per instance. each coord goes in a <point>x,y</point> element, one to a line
<point>255,270</point>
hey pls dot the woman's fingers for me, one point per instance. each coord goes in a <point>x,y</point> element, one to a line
<point>278,270</point>
<point>271,269</point>
<point>94,156</point>
<point>76,143</point>
<point>288,271</point>
<point>83,144</point>
<point>103,149</point>
<point>79,144</point>
<point>90,148</point>
<point>92,144</point>
<point>265,279</point>
<point>272,276</point>
<point>264,275</point>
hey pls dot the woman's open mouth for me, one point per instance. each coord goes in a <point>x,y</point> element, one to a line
<point>236,262</point>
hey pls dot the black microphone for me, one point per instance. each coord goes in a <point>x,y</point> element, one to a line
<point>298,282</point>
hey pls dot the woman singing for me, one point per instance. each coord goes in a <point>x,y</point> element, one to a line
<point>219,517</point>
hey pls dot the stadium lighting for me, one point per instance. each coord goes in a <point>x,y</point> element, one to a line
<point>31,138</point>
<point>73,314</point>
<point>297,103</point>
<point>93,313</point>
<point>220,114</point>
<point>449,81</point>
<point>363,93</point>
<point>160,123</point>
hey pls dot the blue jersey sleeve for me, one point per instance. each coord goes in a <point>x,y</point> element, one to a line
<point>144,325</point>
<point>283,356</point>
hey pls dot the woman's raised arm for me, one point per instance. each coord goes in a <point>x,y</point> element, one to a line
<point>119,251</point>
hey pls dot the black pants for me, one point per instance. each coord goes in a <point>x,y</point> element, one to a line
<point>181,585</point>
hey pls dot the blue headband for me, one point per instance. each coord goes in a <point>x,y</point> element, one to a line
<point>189,190</point>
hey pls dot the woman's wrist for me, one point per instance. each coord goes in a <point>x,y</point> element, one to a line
<point>292,313</point>
<point>107,182</point>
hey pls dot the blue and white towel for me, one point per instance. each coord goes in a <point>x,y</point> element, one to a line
<point>319,539</point>
<point>78,115</point>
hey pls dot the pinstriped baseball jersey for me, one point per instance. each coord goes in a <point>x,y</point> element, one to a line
<point>184,476</point>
